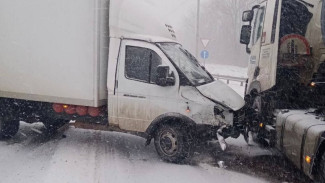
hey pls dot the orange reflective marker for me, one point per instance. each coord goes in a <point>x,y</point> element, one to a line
<point>308,159</point>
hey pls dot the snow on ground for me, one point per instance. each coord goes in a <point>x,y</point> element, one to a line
<point>233,71</point>
<point>227,70</point>
<point>85,156</point>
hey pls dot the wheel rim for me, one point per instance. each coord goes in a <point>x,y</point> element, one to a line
<point>168,143</point>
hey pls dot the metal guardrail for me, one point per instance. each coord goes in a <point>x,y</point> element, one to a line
<point>230,78</point>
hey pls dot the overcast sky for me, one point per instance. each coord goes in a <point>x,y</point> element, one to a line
<point>219,23</point>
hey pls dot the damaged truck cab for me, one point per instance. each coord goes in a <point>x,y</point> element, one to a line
<point>158,88</point>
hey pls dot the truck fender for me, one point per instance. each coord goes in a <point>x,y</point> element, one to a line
<point>319,152</point>
<point>255,85</point>
<point>168,118</point>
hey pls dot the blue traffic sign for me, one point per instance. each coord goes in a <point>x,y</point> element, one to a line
<point>204,54</point>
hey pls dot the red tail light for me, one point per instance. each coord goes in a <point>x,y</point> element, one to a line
<point>82,110</point>
<point>94,111</point>
<point>58,108</point>
<point>70,109</point>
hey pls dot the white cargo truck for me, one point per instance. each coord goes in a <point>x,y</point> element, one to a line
<point>112,66</point>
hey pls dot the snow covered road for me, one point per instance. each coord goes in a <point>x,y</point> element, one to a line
<point>85,156</point>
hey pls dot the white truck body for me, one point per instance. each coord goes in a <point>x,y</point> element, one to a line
<point>54,51</point>
<point>57,51</point>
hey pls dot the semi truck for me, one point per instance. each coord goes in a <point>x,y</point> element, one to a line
<point>285,40</point>
<point>111,66</point>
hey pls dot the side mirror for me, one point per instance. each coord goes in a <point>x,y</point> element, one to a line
<point>163,77</point>
<point>248,16</point>
<point>245,36</point>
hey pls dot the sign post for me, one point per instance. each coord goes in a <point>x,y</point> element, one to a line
<point>205,53</point>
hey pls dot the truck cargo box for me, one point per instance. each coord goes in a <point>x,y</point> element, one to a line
<point>54,51</point>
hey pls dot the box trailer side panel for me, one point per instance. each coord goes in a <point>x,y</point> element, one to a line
<point>52,51</point>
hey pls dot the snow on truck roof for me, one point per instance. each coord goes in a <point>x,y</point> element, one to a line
<point>142,37</point>
<point>127,21</point>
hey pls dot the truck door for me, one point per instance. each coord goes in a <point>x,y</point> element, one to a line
<point>258,22</point>
<point>136,75</point>
<point>268,57</point>
<point>265,40</point>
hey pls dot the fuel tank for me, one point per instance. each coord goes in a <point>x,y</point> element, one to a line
<point>298,136</point>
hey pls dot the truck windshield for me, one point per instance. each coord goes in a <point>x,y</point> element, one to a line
<point>187,63</point>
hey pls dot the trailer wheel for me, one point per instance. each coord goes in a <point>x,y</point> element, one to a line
<point>9,128</point>
<point>173,143</point>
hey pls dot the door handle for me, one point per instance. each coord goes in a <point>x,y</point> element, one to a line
<point>133,96</point>
<point>257,71</point>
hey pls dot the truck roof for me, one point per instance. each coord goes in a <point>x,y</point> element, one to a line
<point>148,38</point>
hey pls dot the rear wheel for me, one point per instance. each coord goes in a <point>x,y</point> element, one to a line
<point>173,144</point>
<point>8,128</point>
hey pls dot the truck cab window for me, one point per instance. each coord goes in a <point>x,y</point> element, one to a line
<point>141,64</point>
<point>295,18</point>
<point>258,24</point>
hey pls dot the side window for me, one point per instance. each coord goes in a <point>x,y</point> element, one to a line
<point>258,24</point>
<point>141,64</point>
<point>137,62</point>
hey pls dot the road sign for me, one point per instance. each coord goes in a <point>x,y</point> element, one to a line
<point>205,42</point>
<point>204,54</point>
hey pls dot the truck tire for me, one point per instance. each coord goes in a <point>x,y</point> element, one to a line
<point>173,144</point>
<point>8,129</point>
<point>321,169</point>
<point>256,105</point>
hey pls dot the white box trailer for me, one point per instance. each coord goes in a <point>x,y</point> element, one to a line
<point>54,51</point>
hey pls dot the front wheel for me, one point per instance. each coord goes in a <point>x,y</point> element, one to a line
<point>173,144</point>
<point>8,128</point>
<point>252,130</point>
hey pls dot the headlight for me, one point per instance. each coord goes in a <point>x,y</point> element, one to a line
<point>218,112</point>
